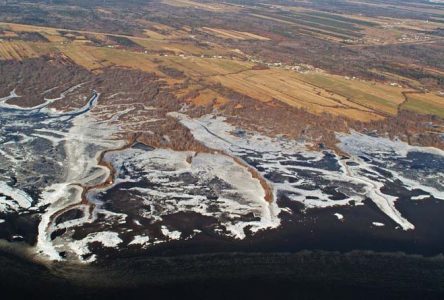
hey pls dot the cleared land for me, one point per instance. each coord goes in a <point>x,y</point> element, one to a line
<point>21,50</point>
<point>198,67</point>
<point>425,104</point>
<point>233,34</point>
<point>378,97</point>
<point>317,92</point>
<point>213,7</point>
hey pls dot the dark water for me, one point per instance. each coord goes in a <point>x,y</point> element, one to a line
<point>320,229</point>
<point>271,264</point>
<point>303,275</point>
<point>313,229</point>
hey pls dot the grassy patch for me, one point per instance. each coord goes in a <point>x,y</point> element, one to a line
<point>376,96</point>
<point>428,104</point>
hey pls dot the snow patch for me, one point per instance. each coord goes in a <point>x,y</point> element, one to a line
<point>339,216</point>
<point>211,185</point>
<point>170,234</point>
<point>298,173</point>
<point>140,240</point>
<point>378,224</point>
<point>420,197</point>
<point>106,238</point>
<point>20,199</point>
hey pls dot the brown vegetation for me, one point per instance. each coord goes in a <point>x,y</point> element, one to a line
<point>251,64</point>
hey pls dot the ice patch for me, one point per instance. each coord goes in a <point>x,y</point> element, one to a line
<point>360,144</point>
<point>339,216</point>
<point>19,198</point>
<point>107,239</point>
<point>140,240</point>
<point>322,179</point>
<point>377,224</point>
<point>212,185</point>
<point>170,234</point>
<point>420,197</point>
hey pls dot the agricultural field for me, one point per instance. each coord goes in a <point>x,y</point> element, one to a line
<point>318,93</point>
<point>232,34</point>
<point>429,103</point>
<point>212,7</point>
<point>176,60</point>
<point>254,60</point>
<point>377,97</point>
<point>18,50</point>
<point>160,143</point>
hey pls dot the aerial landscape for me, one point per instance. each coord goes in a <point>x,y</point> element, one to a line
<point>204,149</point>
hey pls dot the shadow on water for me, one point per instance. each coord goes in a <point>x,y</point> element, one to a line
<point>303,275</point>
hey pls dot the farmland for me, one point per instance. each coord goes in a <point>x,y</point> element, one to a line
<point>431,104</point>
<point>167,128</point>
<point>339,66</point>
<point>212,64</point>
<point>21,50</point>
<point>232,34</point>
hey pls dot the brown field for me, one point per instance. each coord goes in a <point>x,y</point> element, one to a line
<point>393,77</point>
<point>164,32</point>
<point>82,56</point>
<point>201,95</point>
<point>387,31</point>
<point>20,50</point>
<point>381,98</point>
<point>54,38</point>
<point>155,35</point>
<point>429,103</point>
<point>317,92</point>
<point>294,89</point>
<point>233,34</point>
<point>214,7</point>
<point>171,46</point>
<point>208,97</point>
<point>197,67</point>
<point>423,8</point>
<point>30,28</point>
<point>306,30</point>
<point>150,43</point>
<point>95,58</point>
<point>273,19</point>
